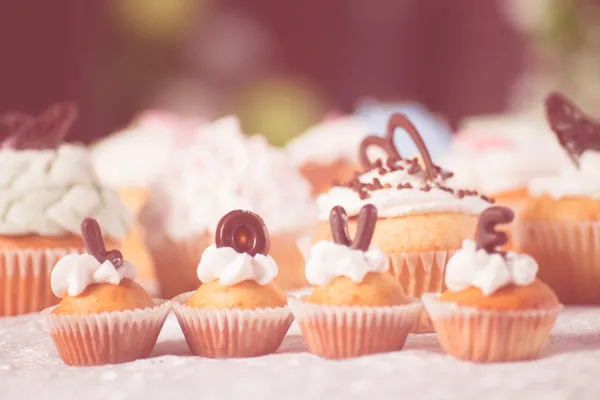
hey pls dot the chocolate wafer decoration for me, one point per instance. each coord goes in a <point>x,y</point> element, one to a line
<point>486,235</point>
<point>575,131</point>
<point>244,232</point>
<point>94,243</point>
<point>367,219</point>
<point>386,143</point>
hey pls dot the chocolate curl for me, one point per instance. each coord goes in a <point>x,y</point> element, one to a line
<point>486,235</point>
<point>367,220</point>
<point>575,131</point>
<point>243,231</point>
<point>94,243</point>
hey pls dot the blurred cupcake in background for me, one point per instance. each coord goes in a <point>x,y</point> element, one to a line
<point>46,189</point>
<point>328,152</point>
<point>130,160</point>
<point>224,170</point>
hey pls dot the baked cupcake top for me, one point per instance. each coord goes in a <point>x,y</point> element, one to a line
<point>479,264</point>
<point>579,136</point>
<point>344,257</point>
<point>225,170</point>
<point>398,186</point>
<point>332,140</point>
<point>75,272</point>
<point>47,187</point>
<point>240,252</point>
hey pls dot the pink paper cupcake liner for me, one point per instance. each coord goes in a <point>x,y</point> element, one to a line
<point>338,332</point>
<point>470,334</point>
<point>106,338</point>
<point>235,333</point>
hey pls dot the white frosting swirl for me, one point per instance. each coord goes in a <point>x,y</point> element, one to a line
<point>470,267</point>
<point>329,260</point>
<point>75,272</point>
<point>393,202</point>
<point>230,267</point>
<point>572,181</point>
<point>49,193</point>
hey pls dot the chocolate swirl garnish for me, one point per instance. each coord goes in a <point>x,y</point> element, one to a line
<point>243,231</point>
<point>367,219</point>
<point>47,131</point>
<point>575,131</point>
<point>94,243</point>
<point>486,235</point>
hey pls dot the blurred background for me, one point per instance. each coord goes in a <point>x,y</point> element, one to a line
<point>283,66</point>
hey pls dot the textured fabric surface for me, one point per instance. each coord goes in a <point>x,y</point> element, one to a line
<point>30,369</point>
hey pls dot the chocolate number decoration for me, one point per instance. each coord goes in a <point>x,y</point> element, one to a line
<point>94,243</point>
<point>386,143</point>
<point>47,131</point>
<point>486,235</point>
<point>575,131</point>
<point>367,219</point>
<point>243,231</point>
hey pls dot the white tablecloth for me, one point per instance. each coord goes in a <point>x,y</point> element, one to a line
<point>570,369</point>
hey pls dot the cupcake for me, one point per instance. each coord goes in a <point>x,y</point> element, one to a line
<point>238,311</point>
<point>104,316</point>
<point>130,161</point>
<point>356,308</point>
<point>46,189</point>
<point>495,309</point>
<point>421,221</point>
<point>328,152</point>
<point>222,171</point>
<point>560,223</point>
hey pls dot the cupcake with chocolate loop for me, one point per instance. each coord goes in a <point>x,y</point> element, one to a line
<point>237,298</point>
<point>421,221</point>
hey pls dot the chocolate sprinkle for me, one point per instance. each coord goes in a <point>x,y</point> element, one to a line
<point>94,243</point>
<point>367,219</point>
<point>244,232</point>
<point>486,235</point>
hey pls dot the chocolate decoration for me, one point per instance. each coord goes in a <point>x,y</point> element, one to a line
<point>94,243</point>
<point>367,219</point>
<point>575,131</point>
<point>47,131</point>
<point>386,143</point>
<point>486,235</point>
<point>243,231</point>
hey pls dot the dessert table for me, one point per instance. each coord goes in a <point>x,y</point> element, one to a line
<point>569,369</point>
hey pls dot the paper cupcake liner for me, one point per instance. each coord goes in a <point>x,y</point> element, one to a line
<point>224,333</point>
<point>338,332</point>
<point>106,338</point>
<point>568,255</point>
<point>25,279</point>
<point>468,333</point>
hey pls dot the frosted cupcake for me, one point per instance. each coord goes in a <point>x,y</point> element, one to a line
<point>356,307</point>
<point>46,189</point>
<point>328,152</point>
<point>421,222</point>
<point>223,171</point>
<point>495,309</point>
<point>104,316</point>
<point>238,311</point>
<point>561,221</point>
<point>131,160</point>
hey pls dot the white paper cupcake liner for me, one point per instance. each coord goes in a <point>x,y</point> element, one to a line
<point>106,338</point>
<point>232,333</point>
<point>338,332</point>
<point>471,334</point>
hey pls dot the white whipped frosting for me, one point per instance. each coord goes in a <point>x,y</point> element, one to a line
<point>572,181</point>
<point>329,141</point>
<point>230,267</point>
<point>75,272</point>
<point>395,202</point>
<point>329,260</point>
<point>49,193</point>
<point>225,170</point>
<point>470,267</point>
